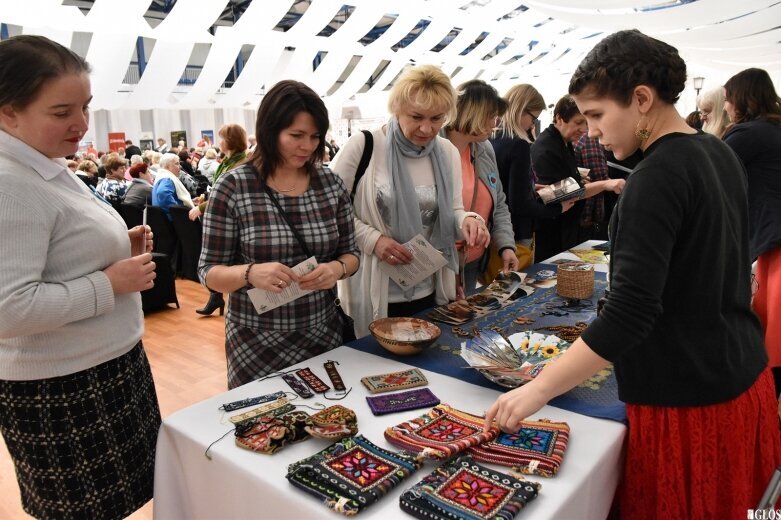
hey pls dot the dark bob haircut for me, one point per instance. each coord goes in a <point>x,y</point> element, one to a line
<point>625,60</point>
<point>753,96</point>
<point>27,62</point>
<point>566,108</point>
<point>277,110</point>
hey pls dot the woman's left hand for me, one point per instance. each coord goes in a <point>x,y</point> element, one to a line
<point>509,260</point>
<point>324,276</point>
<point>475,232</point>
<point>137,235</point>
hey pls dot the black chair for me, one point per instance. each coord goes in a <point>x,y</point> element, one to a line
<point>164,290</point>
<point>165,240</point>
<point>189,233</point>
<point>132,215</point>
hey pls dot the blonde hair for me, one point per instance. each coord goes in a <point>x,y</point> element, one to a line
<point>477,102</point>
<point>521,99</point>
<point>717,118</point>
<point>88,166</point>
<point>423,86</point>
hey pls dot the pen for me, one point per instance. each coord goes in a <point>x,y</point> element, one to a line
<point>143,237</point>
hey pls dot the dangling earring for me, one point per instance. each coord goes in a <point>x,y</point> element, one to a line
<point>642,133</point>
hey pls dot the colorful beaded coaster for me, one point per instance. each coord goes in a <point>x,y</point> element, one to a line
<point>402,401</point>
<point>266,409</point>
<point>440,433</point>
<point>270,434</point>
<point>537,448</point>
<point>351,474</point>
<point>464,489</point>
<point>333,375</point>
<point>394,381</point>
<point>312,381</point>
<point>297,386</point>
<point>335,422</point>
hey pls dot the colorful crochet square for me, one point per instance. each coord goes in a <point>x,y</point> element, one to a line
<point>466,490</point>
<point>537,448</point>
<point>394,381</point>
<point>440,433</point>
<point>360,468</point>
<point>402,401</point>
<point>351,474</point>
<point>474,494</point>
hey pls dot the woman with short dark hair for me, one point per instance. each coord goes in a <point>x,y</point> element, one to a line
<point>703,437</point>
<point>78,409</point>
<point>248,242</point>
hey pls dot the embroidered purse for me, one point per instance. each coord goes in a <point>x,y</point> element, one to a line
<point>466,490</point>
<point>440,433</point>
<point>268,434</point>
<point>351,474</point>
<point>537,448</point>
<point>394,381</point>
<point>402,401</point>
<point>335,422</point>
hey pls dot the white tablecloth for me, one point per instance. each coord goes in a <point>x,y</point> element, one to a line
<point>566,255</point>
<point>241,484</point>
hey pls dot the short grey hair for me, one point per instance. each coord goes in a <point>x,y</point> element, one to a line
<point>167,159</point>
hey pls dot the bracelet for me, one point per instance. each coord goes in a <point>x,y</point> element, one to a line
<point>344,269</point>
<point>246,274</point>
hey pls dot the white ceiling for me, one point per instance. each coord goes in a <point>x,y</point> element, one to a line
<point>509,42</point>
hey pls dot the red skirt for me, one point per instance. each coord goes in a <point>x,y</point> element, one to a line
<point>767,302</point>
<point>701,462</point>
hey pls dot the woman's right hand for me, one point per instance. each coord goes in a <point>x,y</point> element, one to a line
<point>271,276</point>
<point>133,274</point>
<point>391,252</point>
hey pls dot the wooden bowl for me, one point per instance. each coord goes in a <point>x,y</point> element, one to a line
<point>404,336</point>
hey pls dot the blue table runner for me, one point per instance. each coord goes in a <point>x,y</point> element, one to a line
<point>596,397</point>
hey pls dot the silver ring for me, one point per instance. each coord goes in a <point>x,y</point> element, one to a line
<point>280,284</point>
<point>392,257</point>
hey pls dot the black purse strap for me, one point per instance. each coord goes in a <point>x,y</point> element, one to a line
<point>366,156</point>
<point>287,220</point>
<point>298,236</point>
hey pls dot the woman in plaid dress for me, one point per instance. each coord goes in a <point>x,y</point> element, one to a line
<point>248,243</point>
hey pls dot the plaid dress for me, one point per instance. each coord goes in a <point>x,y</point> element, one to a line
<point>241,225</point>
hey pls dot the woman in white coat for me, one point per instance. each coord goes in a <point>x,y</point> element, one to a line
<point>412,185</point>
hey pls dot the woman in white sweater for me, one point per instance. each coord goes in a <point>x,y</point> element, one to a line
<point>412,185</point>
<point>78,409</point>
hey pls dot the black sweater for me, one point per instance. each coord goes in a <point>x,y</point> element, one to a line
<point>514,161</point>
<point>678,323</point>
<point>553,160</point>
<point>758,144</point>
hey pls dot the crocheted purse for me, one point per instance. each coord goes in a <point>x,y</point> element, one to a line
<point>268,434</point>
<point>537,448</point>
<point>440,433</point>
<point>402,401</point>
<point>335,422</point>
<point>466,490</point>
<point>351,474</point>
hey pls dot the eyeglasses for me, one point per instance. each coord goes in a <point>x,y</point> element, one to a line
<point>534,118</point>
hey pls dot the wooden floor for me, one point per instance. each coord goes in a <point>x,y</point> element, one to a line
<point>187,354</point>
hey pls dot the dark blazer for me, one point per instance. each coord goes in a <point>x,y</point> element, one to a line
<point>132,150</point>
<point>553,160</point>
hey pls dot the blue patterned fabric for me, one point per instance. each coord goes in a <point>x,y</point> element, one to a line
<point>596,397</point>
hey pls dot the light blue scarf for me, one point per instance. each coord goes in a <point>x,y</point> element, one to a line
<point>405,219</point>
